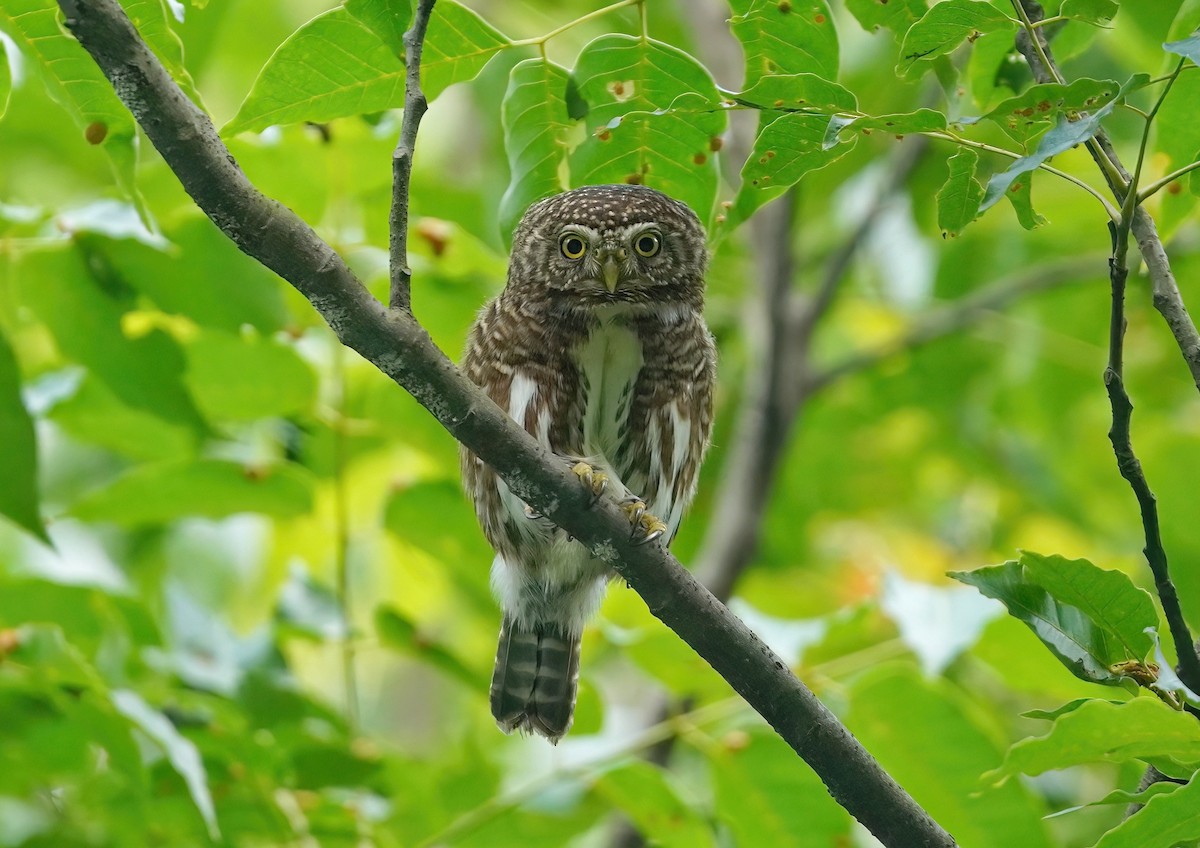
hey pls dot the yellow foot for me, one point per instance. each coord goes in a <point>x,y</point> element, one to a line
<point>646,527</point>
<point>595,481</point>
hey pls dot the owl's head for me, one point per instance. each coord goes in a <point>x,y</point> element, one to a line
<point>609,244</point>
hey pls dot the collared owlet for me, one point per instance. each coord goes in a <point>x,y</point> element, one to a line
<point>597,346</point>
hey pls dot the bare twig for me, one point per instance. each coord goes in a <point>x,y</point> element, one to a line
<point>415,106</point>
<point>394,342</point>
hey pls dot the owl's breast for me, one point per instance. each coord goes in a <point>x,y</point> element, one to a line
<point>609,361</point>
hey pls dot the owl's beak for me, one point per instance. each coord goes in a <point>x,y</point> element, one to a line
<point>610,265</point>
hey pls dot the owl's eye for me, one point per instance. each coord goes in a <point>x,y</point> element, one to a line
<point>647,244</point>
<point>572,246</point>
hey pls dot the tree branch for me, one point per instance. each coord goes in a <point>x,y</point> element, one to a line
<point>1169,303</point>
<point>415,106</point>
<point>395,343</point>
<point>1166,297</point>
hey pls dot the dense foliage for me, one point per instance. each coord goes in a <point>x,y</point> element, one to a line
<point>243,602</point>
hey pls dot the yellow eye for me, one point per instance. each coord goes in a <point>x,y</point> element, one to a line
<point>572,246</point>
<point>647,244</point>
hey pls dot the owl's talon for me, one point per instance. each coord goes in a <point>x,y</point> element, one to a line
<point>646,527</point>
<point>595,481</point>
<point>531,513</point>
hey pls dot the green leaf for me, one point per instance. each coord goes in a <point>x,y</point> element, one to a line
<point>922,120</point>
<point>958,199</point>
<point>1020,195</point>
<point>797,91</point>
<point>624,81</point>
<point>332,67</point>
<point>1097,12</point>
<point>1188,48</point>
<point>1065,135</point>
<point>153,24</point>
<point>388,19</point>
<point>766,797</point>
<point>1120,796</point>
<point>145,371</point>
<point>1038,106</point>
<point>535,120</point>
<point>400,634</point>
<point>180,752</point>
<point>209,488</point>
<point>896,15</point>
<point>784,37</point>
<point>1089,618</point>
<point>1069,707</point>
<point>459,43</point>
<point>75,83</point>
<point>5,78</point>
<point>93,414</point>
<point>645,794</point>
<point>241,378</point>
<point>943,28</point>
<point>895,713</point>
<point>786,149</point>
<point>18,458</point>
<point>1107,732</point>
<point>201,275</point>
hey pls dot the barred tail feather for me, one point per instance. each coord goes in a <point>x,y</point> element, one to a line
<point>536,679</point>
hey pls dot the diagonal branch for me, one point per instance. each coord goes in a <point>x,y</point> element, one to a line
<point>415,106</point>
<point>394,342</point>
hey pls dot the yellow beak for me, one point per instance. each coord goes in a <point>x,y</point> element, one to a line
<point>611,271</point>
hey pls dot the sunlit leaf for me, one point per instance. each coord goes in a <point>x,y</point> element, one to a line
<point>645,794</point>
<point>959,197</point>
<point>786,149</point>
<point>180,752</point>
<point>896,15</point>
<point>95,415</point>
<point>388,19</point>
<point>894,712</point>
<point>785,37</point>
<point>145,372</point>
<point>243,378</point>
<point>332,67</point>
<point>798,91</point>
<point>535,120</point>
<point>943,28</point>
<point>1098,12</point>
<point>1020,195</point>
<point>5,78</point>
<point>208,487</point>
<point>624,81</point>
<point>76,84</point>
<point>1107,732</point>
<point>767,798</point>
<point>459,43</point>
<point>154,26</point>
<point>18,458</point>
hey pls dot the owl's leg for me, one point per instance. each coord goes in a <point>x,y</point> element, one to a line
<point>594,479</point>
<point>646,527</point>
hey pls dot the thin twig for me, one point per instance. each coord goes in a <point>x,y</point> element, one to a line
<point>341,523</point>
<point>393,341</point>
<point>1168,301</point>
<point>415,106</point>
<point>1162,182</point>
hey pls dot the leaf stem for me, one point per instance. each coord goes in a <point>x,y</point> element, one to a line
<point>1163,182</point>
<point>1113,213</point>
<point>542,39</point>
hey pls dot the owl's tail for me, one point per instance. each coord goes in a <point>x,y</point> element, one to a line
<point>536,678</point>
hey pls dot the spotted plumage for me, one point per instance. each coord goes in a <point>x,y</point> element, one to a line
<point>598,348</point>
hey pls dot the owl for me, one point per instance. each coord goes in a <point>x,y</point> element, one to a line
<point>597,346</point>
